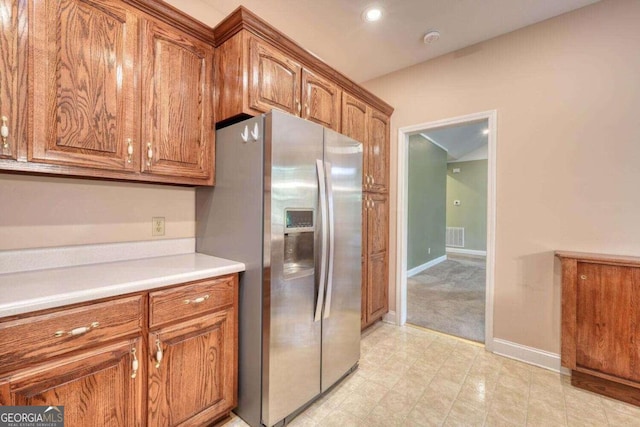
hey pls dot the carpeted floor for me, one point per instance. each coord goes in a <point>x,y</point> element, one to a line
<point>450,297</point>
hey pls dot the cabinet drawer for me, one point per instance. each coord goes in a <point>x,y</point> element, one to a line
<point>191,299</point>
<point>47,335</point>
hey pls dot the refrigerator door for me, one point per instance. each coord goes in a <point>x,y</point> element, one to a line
<point>341,317</point>
<point>292,338</point>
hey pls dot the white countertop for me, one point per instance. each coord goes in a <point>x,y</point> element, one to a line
<point>37,290</point>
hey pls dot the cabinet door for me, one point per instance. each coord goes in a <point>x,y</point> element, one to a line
<point>354,118</point>
<point>84,100</point>
<point>608,319</point>
<point>96,387</point>
<point>378,151</point>
<point>354,125</point>
<point>13,56</point>
<point>274,79</point>
<point>376,288</point>
<point>377,301</point>
<point>195,381</point>
<point>177,116</point>
<point>320,100</point>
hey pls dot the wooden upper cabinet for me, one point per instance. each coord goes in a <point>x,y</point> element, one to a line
<point>377,152</point>
<point>84,100</point>
<point>274,79</point>
<point>320,100</point>
<point>354,118</point>
<point>96,386</point>
<point>13,83</point>
<point>177,123</point>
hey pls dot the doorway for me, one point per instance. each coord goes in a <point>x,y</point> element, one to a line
<point>448,269</point>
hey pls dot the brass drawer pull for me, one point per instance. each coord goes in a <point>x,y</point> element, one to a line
<point>159,353</point>
<point>77,331</point>
<point>583,277</point>
<point>134,364</point>
<point>4,132</point>
<point>197,300</point>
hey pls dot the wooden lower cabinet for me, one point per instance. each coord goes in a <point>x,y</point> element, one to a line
<point>117,370</point>
<point>96,387</point>
<point>194,381</point>
<point>601,323</point>
<point>375,268</point>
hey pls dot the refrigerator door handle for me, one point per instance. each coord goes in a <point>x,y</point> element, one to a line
<point>325,236</point>
<point>327,307</point>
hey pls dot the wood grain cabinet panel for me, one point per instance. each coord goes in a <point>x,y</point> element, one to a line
<point>178,127</point>
<point>601,323</point>
<point>195,381</point>
<point>274,79</point>
<point>376,262</point>
<point>84,99</point>
<point>191,300</point>
<point>608,320</point>
<point>13,78</point>
<point>354,118</point>
<point>320,100</point>
<point>96,387</point>
<point>33,338</point>
<point>378,152</point>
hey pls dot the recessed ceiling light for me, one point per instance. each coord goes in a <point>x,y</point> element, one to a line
<point>372,14</point>
<point>431,37</point>
<point>485,132</point>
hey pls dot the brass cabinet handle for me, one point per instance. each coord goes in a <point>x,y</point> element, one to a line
<point>77,331</point>
<point>4,132</point>
<point>158,353</point>
<point>583,277</point>
<point>306,109</point>
<point>298,107</point>
<point>149,154</point>
<point>197,300</point>
<point>134,363</point>
<point>129,150</point>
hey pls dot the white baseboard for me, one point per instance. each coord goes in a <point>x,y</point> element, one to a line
<point>466,251</point>
<point>531,355</point>
<point>390,317</point>
<point>423,267</point>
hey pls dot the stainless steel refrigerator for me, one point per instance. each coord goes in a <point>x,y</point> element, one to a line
<point>287,202</point>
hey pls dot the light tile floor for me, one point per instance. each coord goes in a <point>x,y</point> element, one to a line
<point>414,377</point>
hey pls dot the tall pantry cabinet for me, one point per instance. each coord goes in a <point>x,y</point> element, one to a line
<point>363,123</point>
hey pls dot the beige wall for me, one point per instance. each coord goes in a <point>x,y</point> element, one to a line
<point>567,93</point>
<point>40,211</point>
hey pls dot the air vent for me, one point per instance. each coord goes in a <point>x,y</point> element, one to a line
<point>455,237</point>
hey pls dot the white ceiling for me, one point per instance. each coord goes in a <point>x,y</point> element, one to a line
<point>461,140</point>
<point>334,30</point>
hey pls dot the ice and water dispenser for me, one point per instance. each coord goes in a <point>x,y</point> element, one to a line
<point>298,243</point>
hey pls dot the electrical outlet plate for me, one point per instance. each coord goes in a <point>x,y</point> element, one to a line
<point>157,226</point>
